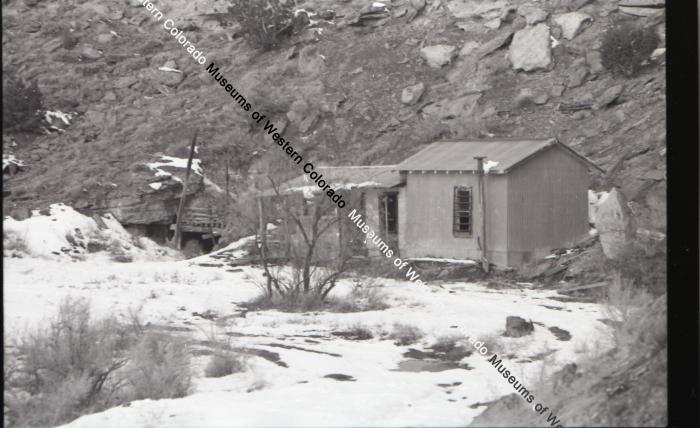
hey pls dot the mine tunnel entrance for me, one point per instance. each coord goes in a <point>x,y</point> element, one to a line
<point>195,243</point>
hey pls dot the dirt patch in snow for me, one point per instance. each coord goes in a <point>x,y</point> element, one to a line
<point>299,348</point>
<point>414,365</point>
<point>560,333</point>
<point>340,377</point>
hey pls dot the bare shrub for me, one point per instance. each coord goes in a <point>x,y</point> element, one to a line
<point>626,46</point>
<point>263,23</point>
<point>639,317</point>
<point>355,332</point>
<point>159,367</point>
<point>404,334</point>
<point>643,262</point>
<point>224,363</point>
<point>290,302</point>
<point>78,365</point>
<point>451,347</point>
<point>446,343</point>
<point>359,299</point>
<point>492,343</point>
<point>21,103</point>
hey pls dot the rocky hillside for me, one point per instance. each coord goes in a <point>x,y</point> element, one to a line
<point>358,82</point>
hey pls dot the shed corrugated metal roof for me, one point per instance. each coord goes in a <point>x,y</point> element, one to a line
<point>343,177</point>
<point>501,155</point>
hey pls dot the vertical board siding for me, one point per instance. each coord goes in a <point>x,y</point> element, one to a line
<point>547,204</point>
<point>429,210</point>
<point>403,216</point>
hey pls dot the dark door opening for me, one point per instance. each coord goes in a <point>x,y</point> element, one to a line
<point>389,213</point>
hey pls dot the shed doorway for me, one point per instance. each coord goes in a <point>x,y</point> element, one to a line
<point>389,217</point>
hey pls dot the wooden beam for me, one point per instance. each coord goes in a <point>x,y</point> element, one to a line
<point>582,287</point>
<point>177,238</point>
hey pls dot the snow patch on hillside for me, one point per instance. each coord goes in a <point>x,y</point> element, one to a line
<point>62,233</point>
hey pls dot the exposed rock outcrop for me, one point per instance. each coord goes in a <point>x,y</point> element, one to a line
<point>615,224</point>
<point>530,48</point>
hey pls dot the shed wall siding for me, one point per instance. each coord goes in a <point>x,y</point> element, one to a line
<point>429,210</point>
<point>403,213</point>
<point>547,205</point>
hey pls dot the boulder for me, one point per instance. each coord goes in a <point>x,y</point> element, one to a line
<point>298,110</point>
<point>326,14</point>
<point>469,47</point>
<point>529,96</point>
<point>166,76</point>
<point>594,61</point>
<point>88,52</point>
<point>462,107</point>
<point>577,76</point>
<point>645,8</point>
<point>125,82</point>
<point>105,38</point>
<point>411,94</point>
<point>530,48</point>
<point>495,43</point>
<point>532,14</point>
<point>485,10</point>
<point>418,4</point>
<point>518,327</point>
<point>571,23</point>
<point>557,90</point>
<point>493,24</point>
<point>609,96</point>
<point>438,55</point>
<point>614,224</point>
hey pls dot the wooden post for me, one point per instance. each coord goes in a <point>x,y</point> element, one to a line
<point>287,229</point>
<point>227,181</point>
<point>180,210</point>
<point>340,236</point>
<point>262,228</point>
<point>482,211</point>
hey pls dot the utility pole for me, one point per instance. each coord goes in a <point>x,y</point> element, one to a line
<point>482,211</point>
<point>180,210</point>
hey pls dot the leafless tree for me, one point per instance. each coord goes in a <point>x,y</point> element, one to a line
<point>312,274</point>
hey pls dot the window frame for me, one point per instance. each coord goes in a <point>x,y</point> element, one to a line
<point>456,212</point>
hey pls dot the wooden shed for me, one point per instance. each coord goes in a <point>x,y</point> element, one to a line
<point>530,198</point>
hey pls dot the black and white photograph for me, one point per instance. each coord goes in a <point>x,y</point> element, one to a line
<point>337,213</point>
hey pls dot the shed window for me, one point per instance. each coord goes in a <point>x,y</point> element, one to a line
<point>462,223</point>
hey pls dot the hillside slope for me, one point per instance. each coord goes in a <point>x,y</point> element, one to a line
<point>336,83</point>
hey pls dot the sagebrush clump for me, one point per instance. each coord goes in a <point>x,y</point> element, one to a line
<point>21,103</point>
<point>78,365</point>
<point>263,23</point>
<point>626,46</point>
<point>224,363</point>
<point>404,334</point>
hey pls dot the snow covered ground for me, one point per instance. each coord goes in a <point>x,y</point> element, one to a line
<point>175,293</point>
<point>290,355</point>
